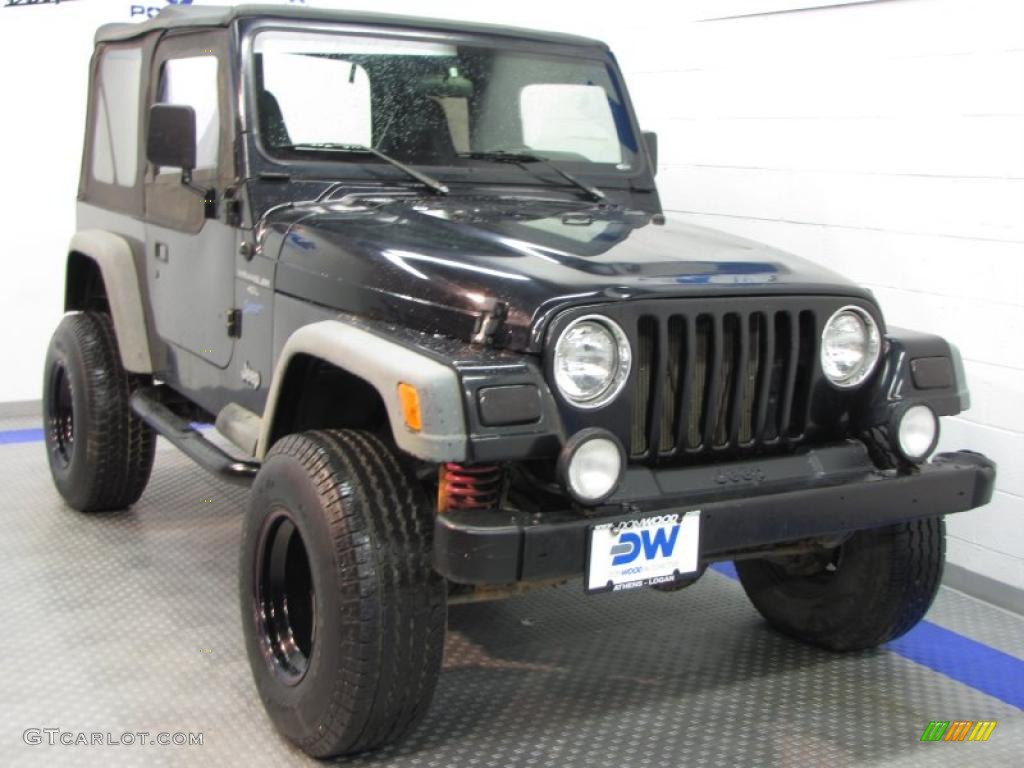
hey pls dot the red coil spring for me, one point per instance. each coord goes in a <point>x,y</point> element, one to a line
<point>464,487</point>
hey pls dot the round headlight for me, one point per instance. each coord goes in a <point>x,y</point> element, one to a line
<point>591,362</point>
<point>850,346</point>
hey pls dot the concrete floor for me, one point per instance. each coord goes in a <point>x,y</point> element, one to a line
<point>129,622</point>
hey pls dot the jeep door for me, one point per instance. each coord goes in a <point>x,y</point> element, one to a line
<point>190,257</point>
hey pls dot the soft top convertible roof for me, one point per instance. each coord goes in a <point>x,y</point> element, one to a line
<point>199,16</point>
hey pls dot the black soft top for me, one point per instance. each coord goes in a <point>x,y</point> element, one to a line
<point>199,16</point>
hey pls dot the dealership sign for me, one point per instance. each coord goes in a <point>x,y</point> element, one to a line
<point>149,11</point>
<point>14,3</point>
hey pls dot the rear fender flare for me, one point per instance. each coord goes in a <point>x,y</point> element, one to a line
<point>113,256</point>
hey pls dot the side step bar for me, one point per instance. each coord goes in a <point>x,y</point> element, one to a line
<point>149,407</point>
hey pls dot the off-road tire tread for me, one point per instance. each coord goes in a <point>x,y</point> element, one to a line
<point>915,554</point>
<point>121,447</point>
<point>393,598</point>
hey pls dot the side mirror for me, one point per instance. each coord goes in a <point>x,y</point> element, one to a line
<point>651,140</point>
<point>171,141</point>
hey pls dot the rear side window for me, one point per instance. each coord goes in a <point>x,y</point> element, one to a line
<point>116,132</point>
<point>192,82</point>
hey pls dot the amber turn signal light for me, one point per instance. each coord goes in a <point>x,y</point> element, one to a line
<point>410,400</point>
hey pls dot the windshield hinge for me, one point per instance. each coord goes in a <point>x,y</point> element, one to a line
<point>210,203</point>
<point>208,194</point>
<point>234,323</point>
<point>232,208</point>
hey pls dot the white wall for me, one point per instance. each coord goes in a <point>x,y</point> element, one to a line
<point>885,139</point>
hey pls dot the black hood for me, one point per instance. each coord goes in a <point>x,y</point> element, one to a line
<point>446,265</point>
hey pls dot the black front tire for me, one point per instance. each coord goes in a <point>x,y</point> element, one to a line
<point>100,453</point>
<point>344,617</point>
<point>875,587</point>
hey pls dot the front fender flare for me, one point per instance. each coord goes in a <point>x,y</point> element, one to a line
<point>383,364</point>
<point>897,384</point>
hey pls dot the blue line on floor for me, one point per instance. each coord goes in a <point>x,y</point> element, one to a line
<point>12,436</point>
<point>726,569</point>
<point>967,661</point>
<point>949,653</point>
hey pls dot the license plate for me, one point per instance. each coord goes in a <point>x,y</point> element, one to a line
<point>637,553</point>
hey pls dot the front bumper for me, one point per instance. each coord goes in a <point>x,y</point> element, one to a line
<point>821,492</point>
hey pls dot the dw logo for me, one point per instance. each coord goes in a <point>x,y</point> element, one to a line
<point>631,544</point>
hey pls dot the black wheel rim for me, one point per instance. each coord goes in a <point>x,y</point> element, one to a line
<point>285,598</point>
<point>61,415</point>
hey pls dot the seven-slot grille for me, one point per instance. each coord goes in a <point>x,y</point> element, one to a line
<point>709,381</point>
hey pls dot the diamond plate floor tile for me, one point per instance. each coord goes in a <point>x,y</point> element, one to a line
<point>988,624</point>
<point>129,622</point>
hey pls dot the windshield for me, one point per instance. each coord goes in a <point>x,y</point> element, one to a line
<point>436,104</point>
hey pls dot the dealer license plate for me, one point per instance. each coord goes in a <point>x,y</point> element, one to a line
<point>637,553</point>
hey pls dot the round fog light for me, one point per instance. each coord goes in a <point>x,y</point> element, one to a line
<point>591,465</point>
<point>917,432</point>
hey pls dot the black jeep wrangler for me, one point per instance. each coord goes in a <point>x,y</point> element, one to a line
<point>416,272</point>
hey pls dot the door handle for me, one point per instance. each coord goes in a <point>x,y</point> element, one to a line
<point>161,252</point>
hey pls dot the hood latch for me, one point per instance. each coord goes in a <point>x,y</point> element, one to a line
<point>489,321</point>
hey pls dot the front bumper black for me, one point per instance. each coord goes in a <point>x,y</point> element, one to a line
<point>821,492</point>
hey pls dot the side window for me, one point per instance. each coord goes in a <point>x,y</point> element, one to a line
<point>294,107</point>
<point>115,148</point>
<point>568,118</point>
<point>192,82</point>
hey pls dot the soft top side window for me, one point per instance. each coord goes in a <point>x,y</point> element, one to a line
<point>115,148</point>
<point>192,82</point>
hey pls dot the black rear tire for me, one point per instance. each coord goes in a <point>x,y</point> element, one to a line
<point>875,587</point>
<point>344,617</point>
<point>100,453</point>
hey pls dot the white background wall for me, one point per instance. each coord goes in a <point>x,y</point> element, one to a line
<point>884,139</point>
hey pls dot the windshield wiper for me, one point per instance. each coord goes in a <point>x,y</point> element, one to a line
<point>523,158</point>
<point>428,181</point>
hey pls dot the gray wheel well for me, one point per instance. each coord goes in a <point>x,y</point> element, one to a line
<point>319,395</point>
<point>84,288</point>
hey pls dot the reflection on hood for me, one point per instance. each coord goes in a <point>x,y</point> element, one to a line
<point>439,265</point>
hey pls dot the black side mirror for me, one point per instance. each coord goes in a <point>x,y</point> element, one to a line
<point>171,142</point>
<point>651,140</point>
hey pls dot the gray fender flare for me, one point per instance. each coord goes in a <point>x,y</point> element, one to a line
<point>383,364</point>
<point>113,255</point>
